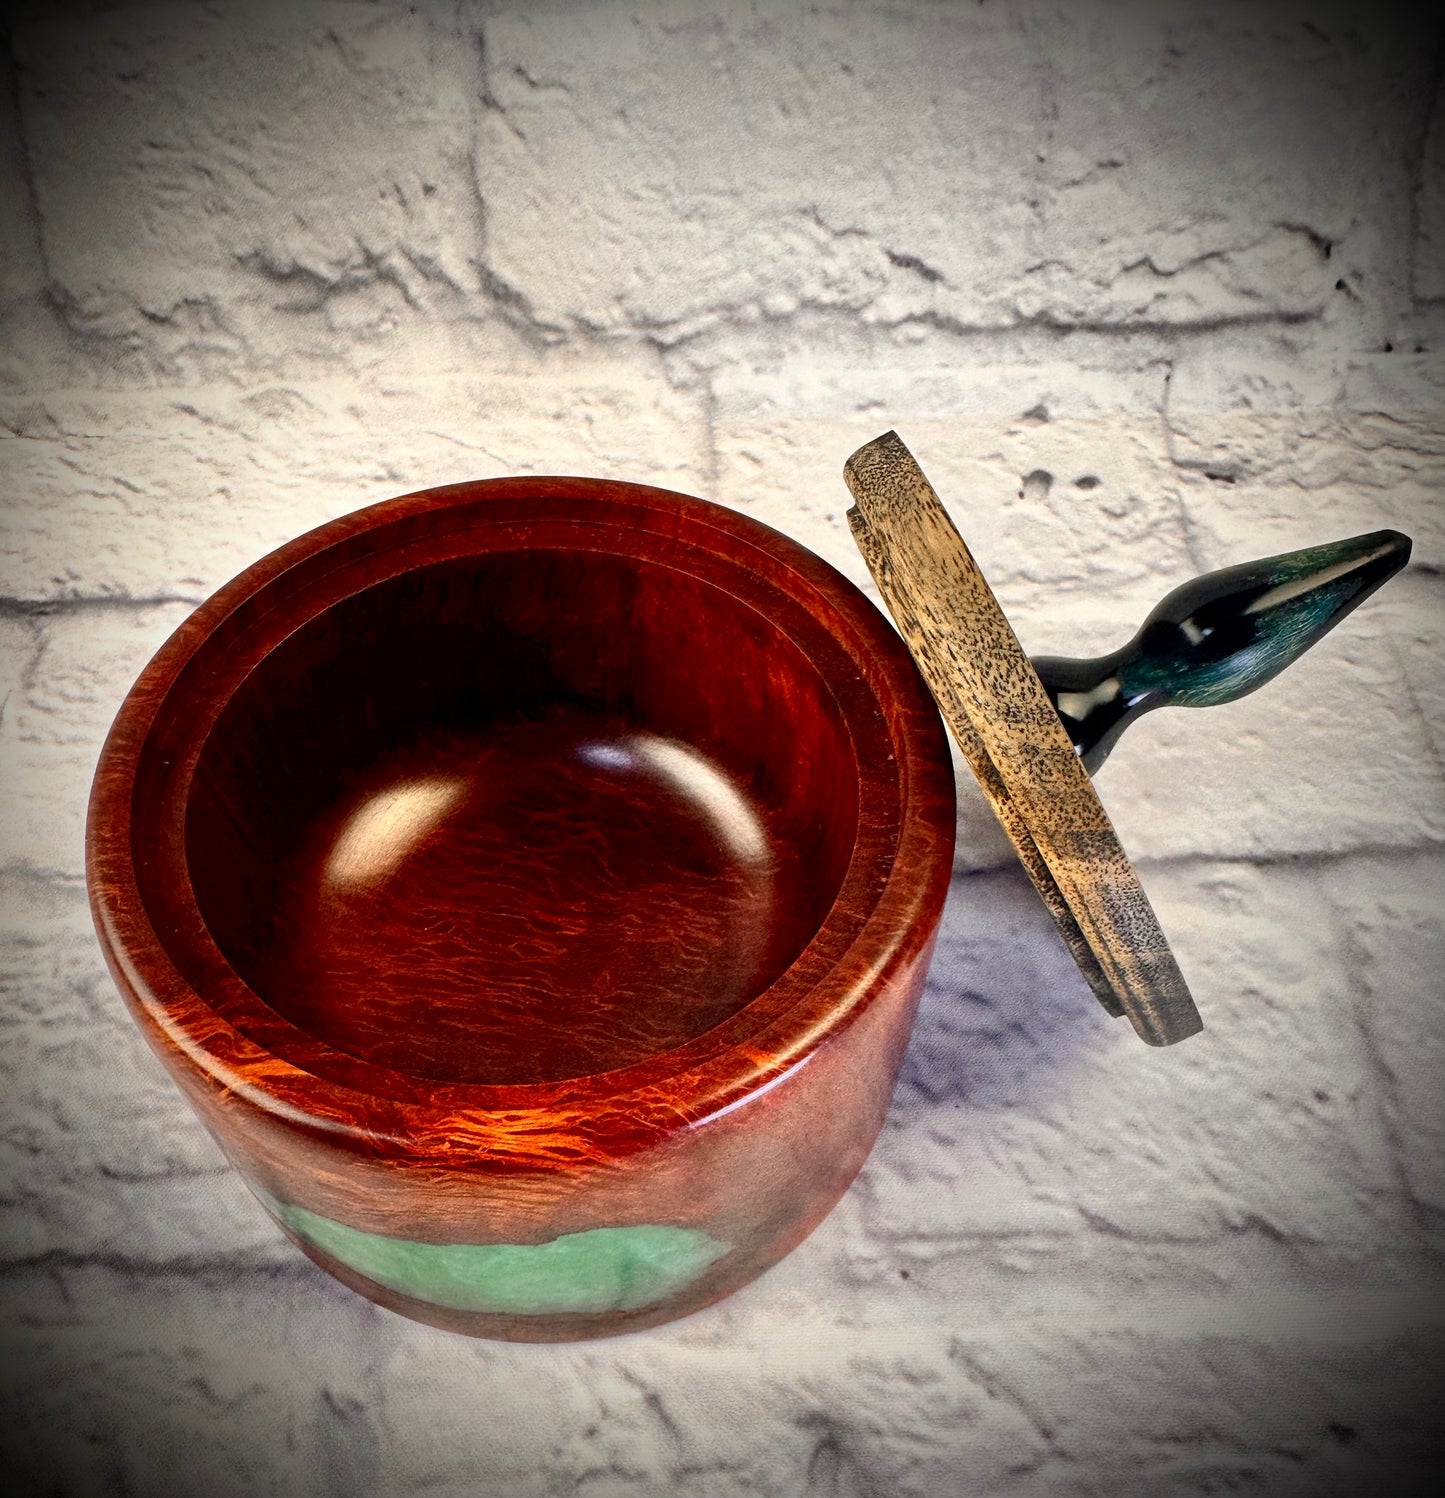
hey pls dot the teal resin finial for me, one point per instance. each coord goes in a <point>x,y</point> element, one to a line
<point>1218,637</point>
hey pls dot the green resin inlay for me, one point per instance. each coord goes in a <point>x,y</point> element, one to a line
<point>601,1269</point>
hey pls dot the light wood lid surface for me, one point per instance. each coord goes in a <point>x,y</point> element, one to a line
<point>1008,730</point>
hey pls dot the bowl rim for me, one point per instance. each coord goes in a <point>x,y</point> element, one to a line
<point>895,880</point>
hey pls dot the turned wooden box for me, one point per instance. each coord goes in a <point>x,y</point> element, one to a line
<point>530,884</point>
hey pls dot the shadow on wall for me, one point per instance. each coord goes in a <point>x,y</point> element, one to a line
<point>1006,1016</point>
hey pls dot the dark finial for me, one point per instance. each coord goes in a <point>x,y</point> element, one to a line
<point>1218,637</point>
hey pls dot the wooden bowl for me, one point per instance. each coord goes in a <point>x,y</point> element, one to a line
<point>530,884</point>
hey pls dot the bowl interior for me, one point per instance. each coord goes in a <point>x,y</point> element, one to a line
<point>522,816</point>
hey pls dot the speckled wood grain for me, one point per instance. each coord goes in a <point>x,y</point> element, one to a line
<point>1009,731</point>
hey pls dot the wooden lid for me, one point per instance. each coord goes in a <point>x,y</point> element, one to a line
<point>1008,730</point>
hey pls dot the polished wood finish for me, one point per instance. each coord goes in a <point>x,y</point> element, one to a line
<point>1218,637</point>
<point>492,794</point>
<point>1007,727</point>
<point>545,864</point>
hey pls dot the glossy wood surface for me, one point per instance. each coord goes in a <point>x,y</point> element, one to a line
<point>526,863</point>
<point>542,898</point>
<point>477,824</point>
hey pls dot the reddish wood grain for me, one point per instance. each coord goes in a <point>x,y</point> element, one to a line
<point>523,857</point>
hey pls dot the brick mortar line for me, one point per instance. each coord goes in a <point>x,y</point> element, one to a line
<point>67,880</point>
<point>60,1261</point>
<point>13,607</point>
<point>546,340</point>
<point>31,211</point>
<point>1423,1218</point>
<point>1306,858</point>
<point>1425,575</point>
<point>1380,1313</point>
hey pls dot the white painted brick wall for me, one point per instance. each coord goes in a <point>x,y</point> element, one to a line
<point>262,263</point>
